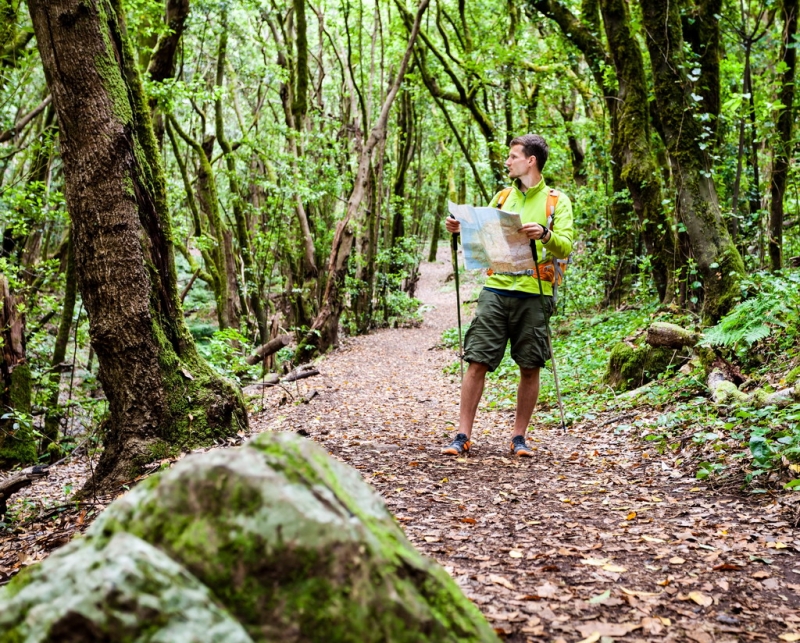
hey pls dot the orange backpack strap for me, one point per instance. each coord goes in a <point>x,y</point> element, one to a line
<point>501,198</point>
<point>552,201</point>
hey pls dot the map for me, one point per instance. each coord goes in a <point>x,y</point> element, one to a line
<point>491,239</point>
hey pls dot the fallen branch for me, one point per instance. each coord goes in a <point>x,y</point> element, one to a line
<point>9,486</point>
<point>300,373</point>
<point>723,391</point>
<point>670,335</point>
<point>272,346</point>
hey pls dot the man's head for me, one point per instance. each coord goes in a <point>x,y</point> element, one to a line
<point>526,154</point>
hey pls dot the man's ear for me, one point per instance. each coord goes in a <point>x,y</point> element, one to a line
<point>533,158</point>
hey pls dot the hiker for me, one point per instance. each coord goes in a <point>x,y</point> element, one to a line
<point>510,306</point>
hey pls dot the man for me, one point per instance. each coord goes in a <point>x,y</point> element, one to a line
<point>510,307</point>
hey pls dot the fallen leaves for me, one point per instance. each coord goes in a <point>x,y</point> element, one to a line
<point>599,628</point>
<point>701,599</point>
<point>501,580</point>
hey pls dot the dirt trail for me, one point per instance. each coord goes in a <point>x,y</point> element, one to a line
<point>597,536</point>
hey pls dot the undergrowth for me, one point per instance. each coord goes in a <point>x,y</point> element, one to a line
<point>759,338</point>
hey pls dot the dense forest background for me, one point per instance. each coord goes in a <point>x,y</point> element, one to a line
<point>298,159</point>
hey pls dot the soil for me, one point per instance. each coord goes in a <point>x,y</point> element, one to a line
<point>597,538</point>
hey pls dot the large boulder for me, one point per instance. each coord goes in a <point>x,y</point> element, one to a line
<point>120,590</point>
<point>295,546</point>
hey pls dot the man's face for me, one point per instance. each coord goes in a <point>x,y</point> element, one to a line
<point>517,163</point>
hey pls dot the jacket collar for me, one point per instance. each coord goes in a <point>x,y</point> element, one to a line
<point>517,184</point>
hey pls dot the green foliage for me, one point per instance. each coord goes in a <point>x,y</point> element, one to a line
<point>774,303</point>
<point>226,351</point>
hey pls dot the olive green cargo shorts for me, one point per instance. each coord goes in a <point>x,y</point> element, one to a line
<point>499,319</point>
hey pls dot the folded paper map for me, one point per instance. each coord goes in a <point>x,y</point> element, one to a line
<point>491,239</point>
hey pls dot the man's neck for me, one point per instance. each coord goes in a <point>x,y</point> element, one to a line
<point>529,180</point>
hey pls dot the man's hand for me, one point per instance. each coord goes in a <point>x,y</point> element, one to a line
<point>453,225</point>
<point>531,230</point>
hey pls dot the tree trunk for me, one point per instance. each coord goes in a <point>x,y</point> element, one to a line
<point>17,443</point>
<point>252,279</point>
<point>783,149</point>
<point>162,61</point>
<point>718,261</point>
<point>325,329</point>
<point>162,396</point>
<point>52,422</point>
<point>701,31</point>
<point>632,146</point>
<point>439,214</point>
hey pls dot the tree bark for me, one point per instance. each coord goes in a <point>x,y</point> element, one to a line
<point>52,422</point>
<point>631,144</point>
<point>17,443</point>
<point>718,260</point>
<point>701,30</point>
<point>783,149</point>
<point>162,61</point>
<point>162,396</point>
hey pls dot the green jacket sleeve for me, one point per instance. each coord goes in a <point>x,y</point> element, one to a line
<point>560,244</point>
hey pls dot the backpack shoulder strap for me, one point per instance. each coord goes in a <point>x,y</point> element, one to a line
<point>502,196</point>
<point>552,201</point>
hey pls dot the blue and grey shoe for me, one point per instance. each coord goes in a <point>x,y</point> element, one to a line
<point>519,448</point>
<point>459,446</point>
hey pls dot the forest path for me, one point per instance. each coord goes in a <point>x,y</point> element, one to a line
<point>596,534</point>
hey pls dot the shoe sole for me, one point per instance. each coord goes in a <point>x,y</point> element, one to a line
<point>524,453</point>
<point>454,451</point>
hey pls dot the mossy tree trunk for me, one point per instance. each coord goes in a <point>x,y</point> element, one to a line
<point>162,396</point>
<point>783,148</point>
<point>162,61</point>
<point>52,422</point>
<point>252,277</point>
<point>632,146</point>
<point>701,22</point>
<point>584,34</point>
<point>718,260</point>
<point>206,203</point>
<point>17,443</point>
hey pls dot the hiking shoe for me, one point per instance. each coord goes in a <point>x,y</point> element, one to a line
<point>459,446</point>
<point>519,448</point>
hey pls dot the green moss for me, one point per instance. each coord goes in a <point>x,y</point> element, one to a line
<point>296,545</point>
<point>793,376</point>
<point>18,444</point>
<point>726,393</point>
<point>631,367</point>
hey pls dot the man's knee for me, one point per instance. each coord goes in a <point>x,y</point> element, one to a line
<point>477,369</point>
<point>528,373</point>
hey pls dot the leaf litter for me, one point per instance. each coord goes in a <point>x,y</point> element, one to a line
<point>596,538</point>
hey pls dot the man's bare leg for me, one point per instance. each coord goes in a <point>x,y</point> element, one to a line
<point>471,392</point>
<point>527,396</point>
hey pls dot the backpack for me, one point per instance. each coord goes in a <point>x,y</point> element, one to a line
<point>551,270</point>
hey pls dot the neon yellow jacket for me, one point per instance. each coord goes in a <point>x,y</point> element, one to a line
<point>532,208</point>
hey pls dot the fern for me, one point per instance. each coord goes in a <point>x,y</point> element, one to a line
<point>751,321</point>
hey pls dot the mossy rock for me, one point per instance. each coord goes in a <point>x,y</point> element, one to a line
<point>631,367</point>
<point>296,546</point>
<point>119,590</point>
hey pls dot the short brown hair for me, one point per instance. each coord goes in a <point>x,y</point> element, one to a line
<point>533,145</point>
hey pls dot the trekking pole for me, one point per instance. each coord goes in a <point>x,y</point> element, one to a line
<point>454,253</point>
<point>549,339</point>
